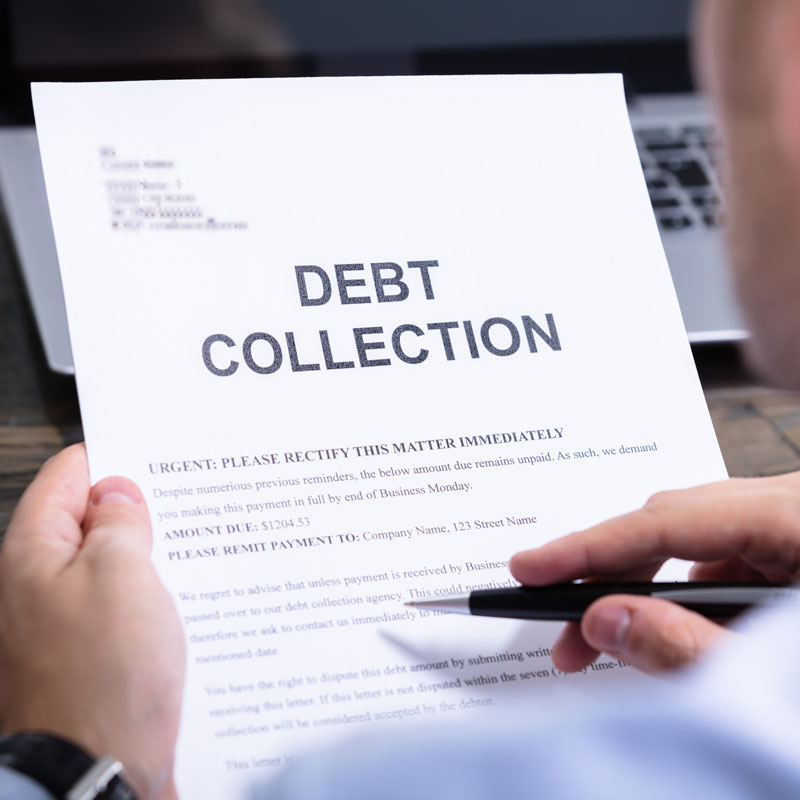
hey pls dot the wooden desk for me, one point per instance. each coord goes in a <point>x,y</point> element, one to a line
<point>38,409</point>
<point>758,428</point>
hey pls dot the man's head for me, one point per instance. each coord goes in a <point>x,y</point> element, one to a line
<point>748,56</point>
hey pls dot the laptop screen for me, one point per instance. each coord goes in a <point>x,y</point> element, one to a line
<point>52,32</point>
<point>111,39</point>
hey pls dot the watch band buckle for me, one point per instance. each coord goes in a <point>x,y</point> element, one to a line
<point>96,780</point>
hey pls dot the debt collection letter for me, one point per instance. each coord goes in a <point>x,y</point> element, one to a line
<point>359,340</point>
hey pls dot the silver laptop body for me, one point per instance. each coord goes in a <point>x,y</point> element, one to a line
<point>28,217</point>
<point>679,149</point>
<point>676,145</point>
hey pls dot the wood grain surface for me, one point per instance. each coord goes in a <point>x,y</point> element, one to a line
<point>758,428</point>
<point>38,409</point>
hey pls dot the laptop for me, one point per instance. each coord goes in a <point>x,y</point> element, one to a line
<point>646,40</point>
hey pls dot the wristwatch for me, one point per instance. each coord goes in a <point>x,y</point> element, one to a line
<point>65,770</point>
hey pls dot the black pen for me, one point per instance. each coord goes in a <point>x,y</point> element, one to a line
<point>566,602</point>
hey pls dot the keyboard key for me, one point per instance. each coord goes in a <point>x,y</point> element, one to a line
<point>665,202</point>
<point>689,173</point>
<point>650,131</point>
<point>708,202</point>
<point>662,147</point>
<point>676,223</point>
<point>703,133</point>
<point>654,134</point>
<point>656,183</point>
<point>714,220</point>
<point>659,140</point>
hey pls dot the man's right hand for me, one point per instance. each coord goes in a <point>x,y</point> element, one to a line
<point>736,530</point>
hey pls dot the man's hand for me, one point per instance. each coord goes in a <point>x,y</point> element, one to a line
<point>91,647</point>
<point>737,530</point>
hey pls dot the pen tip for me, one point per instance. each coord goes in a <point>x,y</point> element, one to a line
<point>409,603</point>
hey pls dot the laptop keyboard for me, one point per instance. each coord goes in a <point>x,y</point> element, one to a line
<point>680,169</point>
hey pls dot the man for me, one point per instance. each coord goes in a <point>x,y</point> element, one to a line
<point>91,648</point>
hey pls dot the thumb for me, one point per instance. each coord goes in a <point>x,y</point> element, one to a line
<point>649,634</point>
<point>116,519</point>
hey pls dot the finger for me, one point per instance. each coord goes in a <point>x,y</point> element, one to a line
<point>45,531</point>
<point>571,652</point>
<point>757,519</point>
<point>649,634</point>
<point>729,569</point>
<point>117,521</point>
<point>646,573</point>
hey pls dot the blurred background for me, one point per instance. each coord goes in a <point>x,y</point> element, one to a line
<point>645,40</point>
<point>97,39</point>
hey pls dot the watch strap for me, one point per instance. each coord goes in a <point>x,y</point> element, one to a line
<point>65,770</point>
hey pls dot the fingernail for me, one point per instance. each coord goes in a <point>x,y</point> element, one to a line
<point>115,491</point>
<point>609,628</point>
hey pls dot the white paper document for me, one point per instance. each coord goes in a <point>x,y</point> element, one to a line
<point>359,340</point>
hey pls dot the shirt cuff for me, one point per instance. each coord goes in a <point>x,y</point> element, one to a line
<point>16,786</point>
